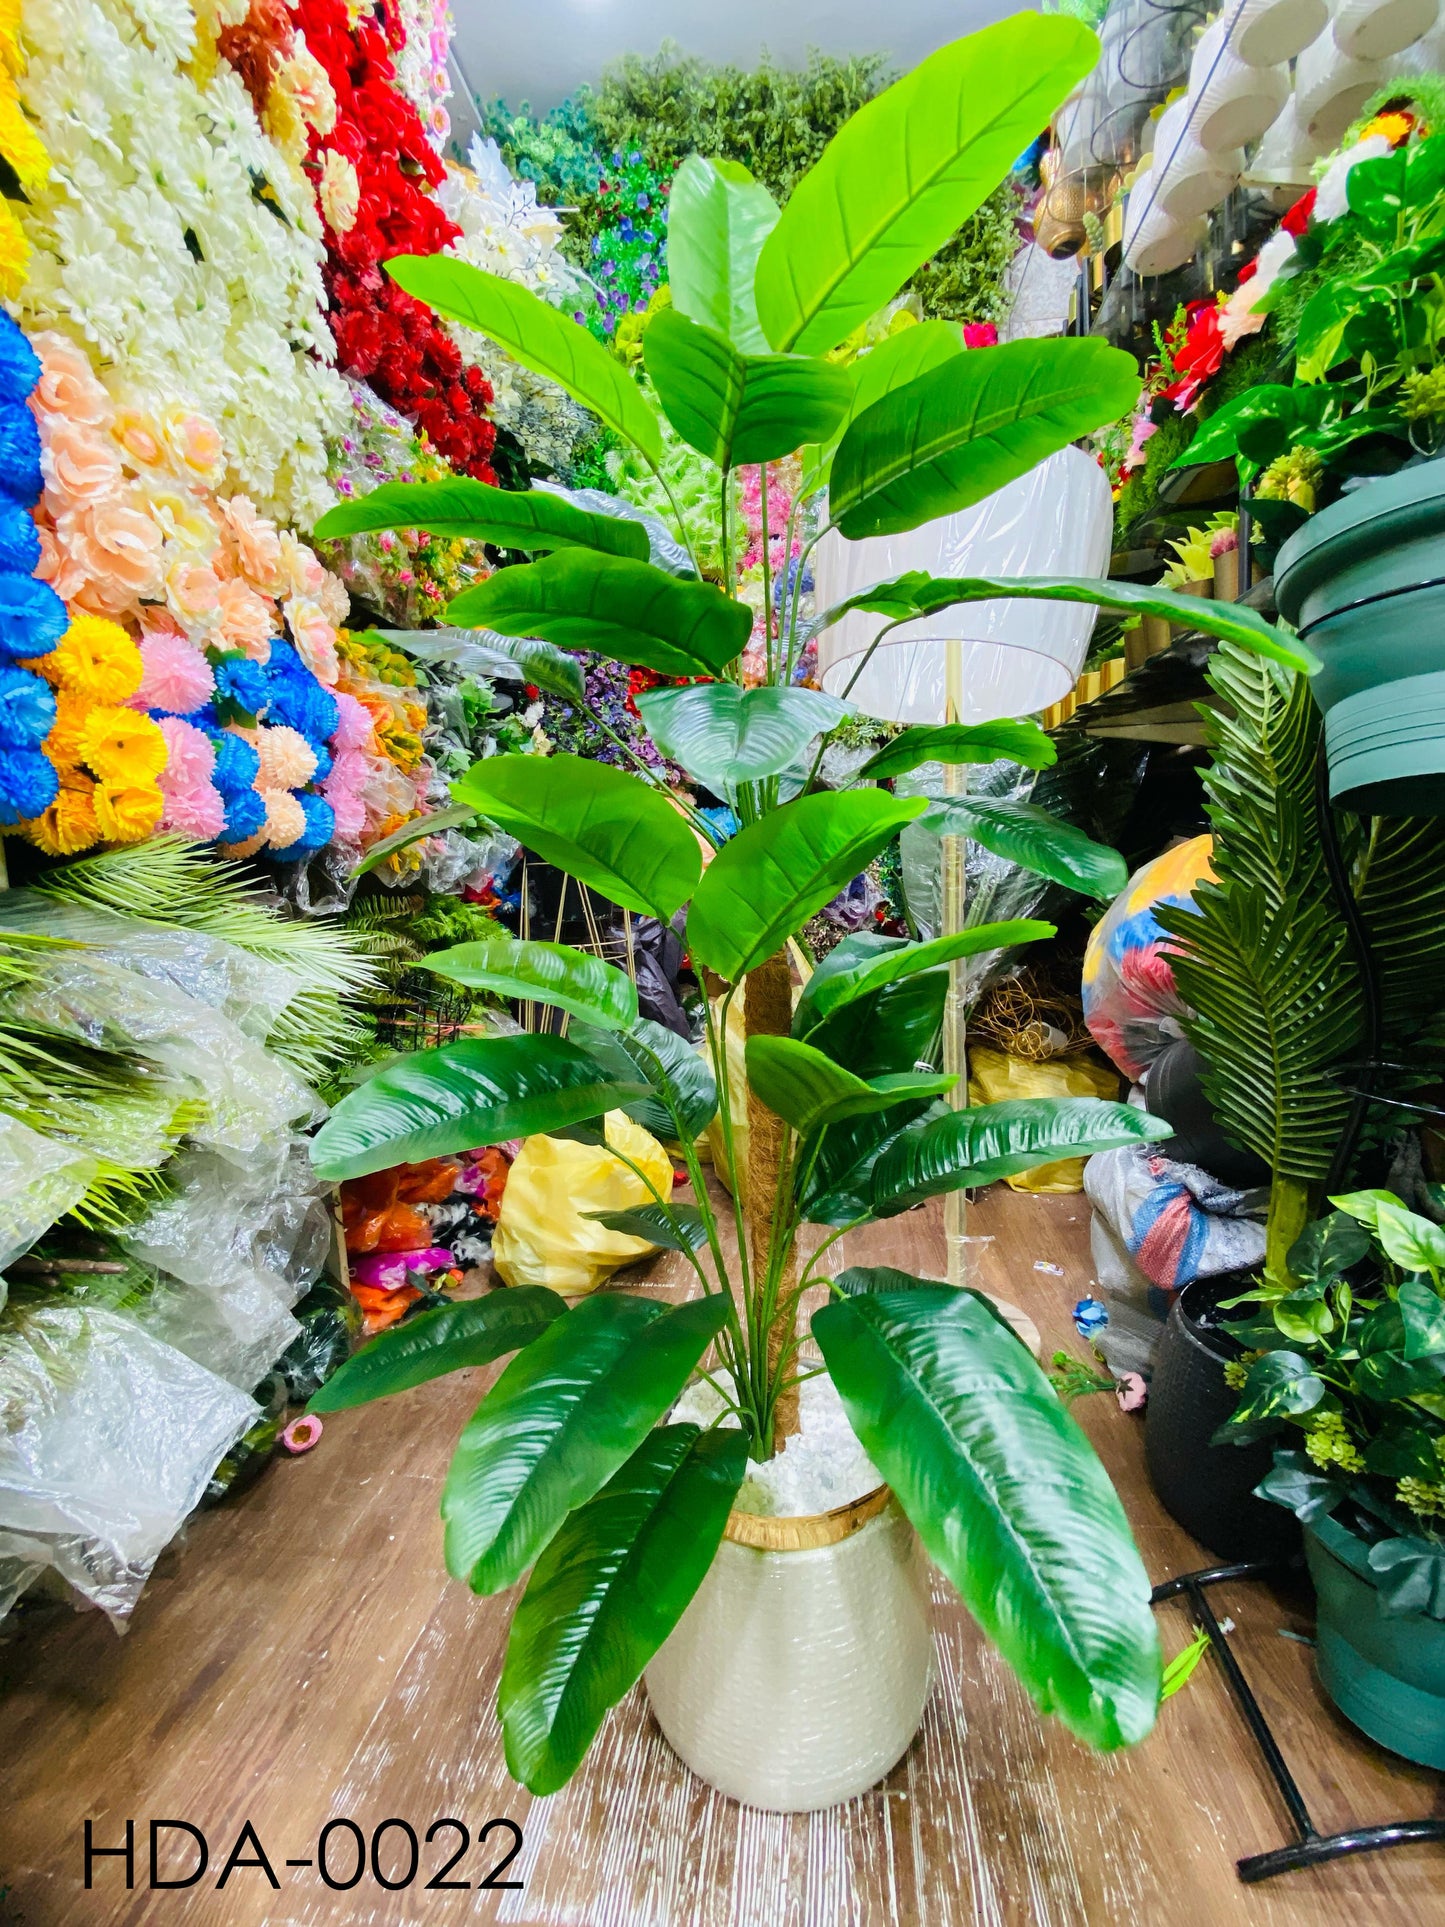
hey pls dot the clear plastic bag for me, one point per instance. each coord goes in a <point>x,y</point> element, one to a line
<point>107,1441</point>
<point>39,1182</point>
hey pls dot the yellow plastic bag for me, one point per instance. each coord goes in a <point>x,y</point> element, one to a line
<point>994,1076</point>
<point>543,1236</point>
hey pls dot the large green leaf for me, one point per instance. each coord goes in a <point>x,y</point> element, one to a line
<point>604,828</point>
<point>996,1140</point>
<point>537,336</point>
<point>561,1419</point>
<point>478,1090</point>
<point>676,1227</point>
<point>1007,1496</point>
<point>1032,838</point>
<point>624,609</point>
<point>890,1029</point>
<point>774,875</point>
<point>808,1090</point>
<point>723,734</point>
<point>898,359</point>
<point>552,670</point>
<point>668,1064</point>
<point>473,1332</point>
<point>1278,1385</point>
<point>739,409</point>
<point>718,217</point>
<point>607,1592</point>
<point>459,506</point>
<point>412,832</point>
<point>542,973</point>
<point>828,990</point>
<point>839,1188</point>
<point>916,594</point>
<point>971,425</point>
<point>1017,742</point>
<point>902,176</point>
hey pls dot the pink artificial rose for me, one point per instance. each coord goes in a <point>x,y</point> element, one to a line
<point>176,677</point>
<point>247,620</point>
<point>79,464</point>
<point>315,638</point>
<point>1131,1392</point>
<point>117,544</point>
<point>257,543</point>
<point>980,334</point>
<point>192,592</point>
<point>67,384</point>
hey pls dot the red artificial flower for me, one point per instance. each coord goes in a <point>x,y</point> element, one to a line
<point>1201,356</point>
<point>980,334</point>
<point>1298,218</point>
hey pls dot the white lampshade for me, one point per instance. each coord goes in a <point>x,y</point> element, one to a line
<point>1017,657</point>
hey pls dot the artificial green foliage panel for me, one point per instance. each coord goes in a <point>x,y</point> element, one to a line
<point>740,409</point>
<point>778,872</point>
<point>624,609</point>
<point>538,336</point>
<point>474,1091</point>
<point>724,734</point>
<point>969,426</point>
<point>529,519</point>
<point>605,829</point>
<point>448,1339</point>
<point>1008,1497</point>
<point>718,217</point>
<point>973,1147</point>
<point>607,1592</point>
<point>542,973</point>
<point>898,180</point>
<point>561,1419</point>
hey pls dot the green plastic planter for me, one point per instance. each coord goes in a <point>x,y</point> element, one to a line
<point>1385,1671</point>
<point>1364,584</point>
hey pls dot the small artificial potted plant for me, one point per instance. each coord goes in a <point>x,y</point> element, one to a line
<point>1360,577</point>
<point>574,1467</point>
<point>1350,1352</point>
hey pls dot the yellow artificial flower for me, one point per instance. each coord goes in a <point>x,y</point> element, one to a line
<point>95,660</point>
<point>123,747</point>
<point>14,254</point>
<point>62,745</point>
<point>127,813</point>
<point>19,142</point>
<point>69,825</point>
<point>1396,127</point>
<point>10,52</point>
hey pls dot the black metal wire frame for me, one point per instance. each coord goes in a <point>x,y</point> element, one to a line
<point>1309,1848</point>
<point>1362,1094</point>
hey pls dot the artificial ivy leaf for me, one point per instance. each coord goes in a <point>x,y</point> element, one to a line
<point>1326,1248</point>
<point>1297,1483</point>
<point>1304,1317</point>
<point>1409,1240</point>
<point>1279,1385</point>
<point>1403,1451</point>
<point>1365,1205</point>
<point>1422,1313</point>
<point>1410,1575</point>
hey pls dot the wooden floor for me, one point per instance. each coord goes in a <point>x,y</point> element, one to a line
<point>304,1658</point>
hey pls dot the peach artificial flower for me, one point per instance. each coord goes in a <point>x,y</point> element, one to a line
<point>78,462</point>
<point>259,549</point>
<point>138,437</point>
<point>56,565</point>
<point>192,592</point>
<point>247,620</point>
<point>338,191</point>
<point>332,599</point>
<point>67,384</point>
<point>117,545</point>
<point>315,638</point>
<point>300,567</point>
<point>193,445</point>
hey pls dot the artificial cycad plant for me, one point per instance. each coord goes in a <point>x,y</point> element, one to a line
<point>570,1469</point>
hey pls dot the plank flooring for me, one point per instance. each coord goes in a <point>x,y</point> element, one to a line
<point>304,1658</point>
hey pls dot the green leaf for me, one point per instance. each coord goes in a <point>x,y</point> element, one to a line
<point>891,1029</point>
<point>552,671</point>
<point>995,1140</point>
<point>971,425</point>
<point>537,336</point>
<point>1303,1317</point>
<point>916,594</point>
<point>542,973</point>
<point>724,735</point>
<point>1389,1375</point>
<point>606,829</point>
<point>413,832</point>
<point>718,218</point>
<point>1007,1496</point>
<point>668,1065</point>
<point>1423,1313</point>
<point>1410,1576</point>
<point>607,1592</point>
<point>774,875</point>
<point>861,1281</point>
<point>1030,837</point>
<point>898,359</point>
<point>478,1090</point>
<point>739,409</point>
<point>460,507</point>
<point>840,1185</point>
<point>1407,1239</point>
<point>658,1226</point>
<point>829,990</point>
<point>1327,1248</point>
<point>1017,742</point>
<point>905,172</point>
<point>1279,1385</point>
<point>1365,1205</point>
<point>448,1339</point>
<point>561,1419</point>
<point>808,1090</point>
<point>624,609</point>
<point>1180,1670</point>
<point>1403,1451</point>
<point>1296,1483</point>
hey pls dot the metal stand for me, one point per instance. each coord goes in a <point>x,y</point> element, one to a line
<point>1310,1848</point>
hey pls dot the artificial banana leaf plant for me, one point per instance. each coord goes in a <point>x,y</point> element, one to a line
<point>569,1468</point>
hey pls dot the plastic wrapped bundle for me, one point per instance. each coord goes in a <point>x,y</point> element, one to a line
<point>1130,1004</point>
<point>40,1180</point>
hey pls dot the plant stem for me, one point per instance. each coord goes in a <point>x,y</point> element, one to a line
<point>768,1012</point>
<point>1289,1213</point>
<point>767,576</point>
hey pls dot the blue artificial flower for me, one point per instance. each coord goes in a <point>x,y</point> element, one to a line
<point>245,814</point>
<point>19,453</point>
<point>285,659</point>
<point>323,762</point>
<point>28,785</point>
<point>635,158</point>
<point>644,201</point>
<point>242,683</point>
<point>19,537</point>
<point>19,363</point>
<point>301,702</point>
<point>27,708</point>
<point>32,617</point>
<point>624,227</point>
<point>237,764</point>
<point>320,827</point>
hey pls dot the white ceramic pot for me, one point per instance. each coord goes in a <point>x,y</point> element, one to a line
<point>1375,29</point>
<point>796,1678</point>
